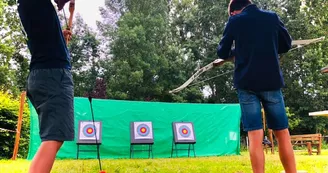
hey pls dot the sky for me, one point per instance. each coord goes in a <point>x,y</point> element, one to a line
<point>88,9</point>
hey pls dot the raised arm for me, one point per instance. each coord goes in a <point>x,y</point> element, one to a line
<point>224,49</point>
<point>284,39</point>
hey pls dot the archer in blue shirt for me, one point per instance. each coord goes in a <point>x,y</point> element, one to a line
<point>259,37</point>
<point>50,87</point>
<point>45,37</point>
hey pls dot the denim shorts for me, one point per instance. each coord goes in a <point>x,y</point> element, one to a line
<point>274,108</point>
<point>52,95</point>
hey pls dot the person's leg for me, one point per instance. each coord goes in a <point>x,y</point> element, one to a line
<point>277,120</point>
<point>42,164</point>
<point>252,123</point>
<point>256,150</point>
<point>286,152</point>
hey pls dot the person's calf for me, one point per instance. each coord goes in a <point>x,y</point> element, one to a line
<point>256,150</point>
<point>45,157</point>
<point>286,152</point>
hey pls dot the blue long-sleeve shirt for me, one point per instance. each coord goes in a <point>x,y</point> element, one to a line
<point>259,38</point>
<point>45,38</point>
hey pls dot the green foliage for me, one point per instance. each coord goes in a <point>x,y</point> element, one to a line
<point>13,65</point>
<point>6,48</point>
<point>306,89</point>
<point>9,108</point>
<point>293,120</point>
<point>141,54</point>
<point>84,48</point>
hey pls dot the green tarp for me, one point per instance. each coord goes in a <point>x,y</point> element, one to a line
<point>217,127</point>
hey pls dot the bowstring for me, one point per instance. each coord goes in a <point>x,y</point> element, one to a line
<point>212,77</point>
<point>65,17</point>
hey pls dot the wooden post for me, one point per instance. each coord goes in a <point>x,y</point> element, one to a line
<point>263,118</point>
<point>19,125</point>
<point>269,131</point>
<point>271,140</point>
<point>319,146</point>
<point>309,147</point>
<point>247,143</point>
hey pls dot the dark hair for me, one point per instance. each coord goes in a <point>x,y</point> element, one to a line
<point>238,5</point>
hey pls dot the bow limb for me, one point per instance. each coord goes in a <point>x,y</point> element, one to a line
<point>306,42</point>
<point>324,70</point>
<point>193,77</point>
<point>70,21</point>
<point>299,43</point>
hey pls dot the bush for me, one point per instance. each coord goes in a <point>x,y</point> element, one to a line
<point>9,108</point>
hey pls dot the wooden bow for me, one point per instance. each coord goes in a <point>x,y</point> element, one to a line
<point>298,43</point>
<point>70,21</point>
<point>196,75</point>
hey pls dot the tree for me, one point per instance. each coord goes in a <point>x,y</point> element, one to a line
<point>141,53</point>
<point>14,66</point>
<point>85,55</point>
<point>8,120</point>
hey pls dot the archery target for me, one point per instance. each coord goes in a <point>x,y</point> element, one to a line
<point>143,130</point>
<point>184,132</point>
<point>89,131</point>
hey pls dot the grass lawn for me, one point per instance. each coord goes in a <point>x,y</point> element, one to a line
<point>226,164</point>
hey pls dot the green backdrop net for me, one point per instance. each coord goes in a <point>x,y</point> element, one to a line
<point>217,127</point>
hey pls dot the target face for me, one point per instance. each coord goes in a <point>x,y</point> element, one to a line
<point>143,130</point>
<point>89,131</point>
<point>184,132</point>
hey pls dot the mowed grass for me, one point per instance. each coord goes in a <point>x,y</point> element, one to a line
<point>222,164</point>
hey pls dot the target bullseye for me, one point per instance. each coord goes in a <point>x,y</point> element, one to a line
<point>89,130</point>
<point>143,129</point>
<point>184,131</point>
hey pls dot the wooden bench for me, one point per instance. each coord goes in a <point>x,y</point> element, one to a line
<point>308,140</point>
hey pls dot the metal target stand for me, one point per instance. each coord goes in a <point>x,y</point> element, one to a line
<point>150,149</point>
<point>87,144</point>
<point>176,149</point>
<point>176,142</point>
